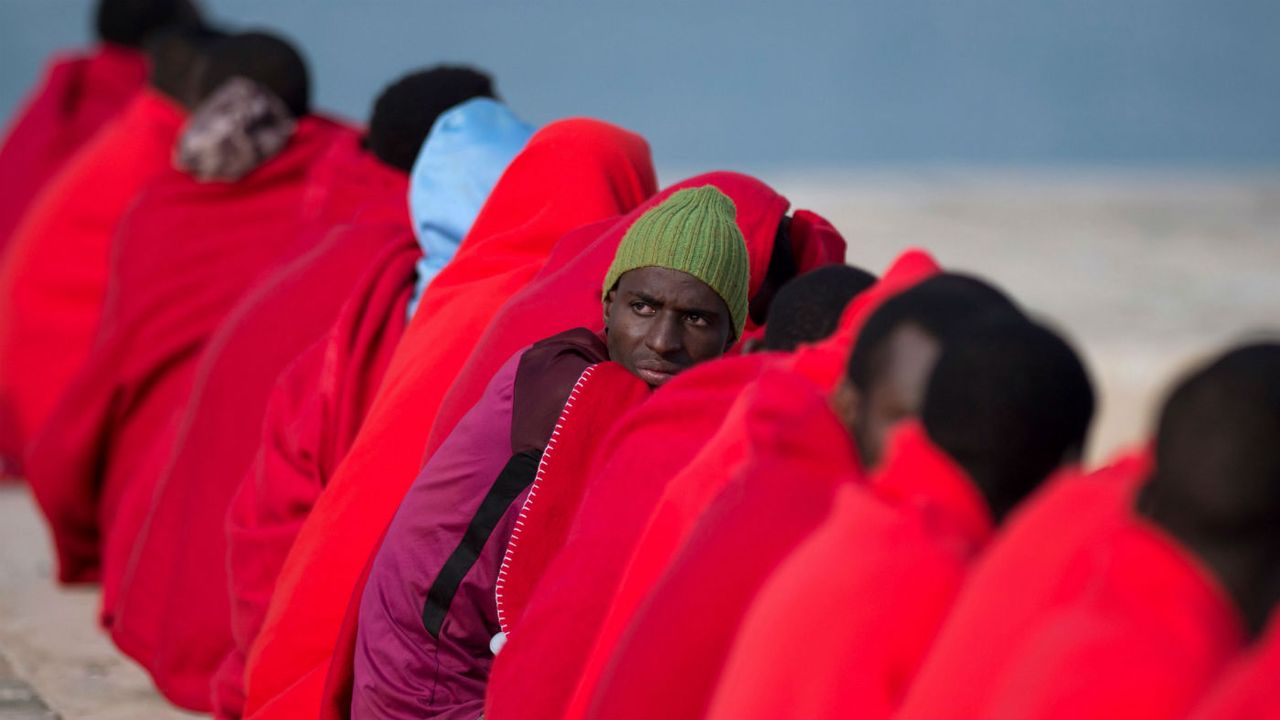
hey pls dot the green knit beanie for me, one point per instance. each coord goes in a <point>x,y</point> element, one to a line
<point>694,231</point>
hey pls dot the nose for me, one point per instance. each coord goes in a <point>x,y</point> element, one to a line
<point>664,336</point>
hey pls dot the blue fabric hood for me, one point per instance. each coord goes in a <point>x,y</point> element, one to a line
<point>466,152</point>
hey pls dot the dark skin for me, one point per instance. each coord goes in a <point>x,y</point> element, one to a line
<point>904,362</point>
<point>659,322</point>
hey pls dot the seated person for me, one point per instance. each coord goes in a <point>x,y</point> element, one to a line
<point>676,295</point>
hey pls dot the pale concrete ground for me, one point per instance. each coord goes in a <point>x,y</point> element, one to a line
<point>1145,273</point>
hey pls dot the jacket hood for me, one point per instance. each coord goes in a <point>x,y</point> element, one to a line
<point>466,152</point>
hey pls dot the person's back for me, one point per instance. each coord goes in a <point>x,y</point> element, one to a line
<point>79,93</point>
<point>183,254</point>
<point>55,274</point>
<point>1154,579</point>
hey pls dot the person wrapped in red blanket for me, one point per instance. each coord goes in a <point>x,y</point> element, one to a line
<point>180,554</point>
<point>186,251</point>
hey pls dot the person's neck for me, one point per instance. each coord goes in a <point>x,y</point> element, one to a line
<point>1246,565</point>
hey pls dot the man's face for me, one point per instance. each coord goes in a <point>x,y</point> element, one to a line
<point>896,392</point>
<point>660,321</point>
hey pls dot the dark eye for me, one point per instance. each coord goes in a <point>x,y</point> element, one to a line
<point>696,320</point>
<point>642,308</point>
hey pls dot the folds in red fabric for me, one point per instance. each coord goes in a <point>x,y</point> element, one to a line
<point>315,411</point>
<point>54,274</point>
<point>76,97</point>
<point>183,255</point>
<point>842,625</point>
<point>1035,547</point>
<point>180,554</point>
<point>798,454</point>
<point>572,173</point>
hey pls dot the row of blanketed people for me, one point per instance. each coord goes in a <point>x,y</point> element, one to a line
<point>454,417</point>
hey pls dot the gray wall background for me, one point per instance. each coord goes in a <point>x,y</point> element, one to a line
<point>804,83</point>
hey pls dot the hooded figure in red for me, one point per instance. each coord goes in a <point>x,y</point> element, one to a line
<point>55,271</point>
<point>658,471</point>
<point>1158,593</point>
<point>571,173</point>
<point>844,622</point>
<point>79,94</point>
<point>183,255</point>
<point>173,614</point>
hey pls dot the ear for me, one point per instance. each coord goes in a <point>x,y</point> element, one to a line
<point>608,302</point>
<point>846,403</point>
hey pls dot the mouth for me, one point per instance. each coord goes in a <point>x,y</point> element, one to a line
<point>655,375</point>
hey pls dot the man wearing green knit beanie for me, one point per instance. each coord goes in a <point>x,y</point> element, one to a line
<point>676,293</point>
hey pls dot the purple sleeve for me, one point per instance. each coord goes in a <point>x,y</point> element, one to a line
<point>422,648</point>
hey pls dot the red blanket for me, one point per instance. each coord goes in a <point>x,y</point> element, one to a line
<point>797,455</point>
<point>1136,628</point>
<point>316,408</point>
<point>164,300</point>
<point>571,173</point>
<point>1248,689</point>
<point>54,275</point>
<point>78,94</point>
<point>841,626</point>
<point>1035,546</point>
<point>173,609</point>
<point>665,464</point>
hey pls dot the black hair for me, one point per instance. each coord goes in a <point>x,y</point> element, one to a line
<point>174,56</point>
<point>405,111</point>
<point>808,308</point>
<point>1216,486</point>
<point>1009,401</point>
<point>936,306</point>
<point>1218,443</point>
<point>130,22</point>
<point>267,59</point>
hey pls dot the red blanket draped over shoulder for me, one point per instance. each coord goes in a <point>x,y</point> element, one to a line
<point>173,613</point>
<point>1035,545</point>
<point>77,95</point>
<point>571,173</point>
<point>663,465</point>
<point>797,455</point>
<point>54,275</point>
<point>183,255</point>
